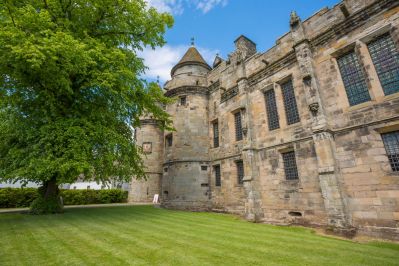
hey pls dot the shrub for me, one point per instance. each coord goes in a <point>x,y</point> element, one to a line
<point>42,206</point>
<point>24,197</point>
<point>17,197</point>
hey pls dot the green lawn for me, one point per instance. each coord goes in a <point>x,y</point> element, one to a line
<point>143,235</point>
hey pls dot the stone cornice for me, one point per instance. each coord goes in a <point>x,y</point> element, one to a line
<point>273,68</point>
<point>168,163</point>
<point>187,90</point>
<point>189,63</point>
<point>352,22</point>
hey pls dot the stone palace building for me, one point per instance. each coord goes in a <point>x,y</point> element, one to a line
<point>304,133</point>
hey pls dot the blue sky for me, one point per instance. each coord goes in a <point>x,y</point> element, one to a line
<point>215,24</point>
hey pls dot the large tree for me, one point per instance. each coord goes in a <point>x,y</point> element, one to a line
<point>71,92</point>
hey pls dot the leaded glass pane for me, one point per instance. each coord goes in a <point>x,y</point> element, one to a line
<point>353,78</point>
<point>290,106</point>
<point>218,180</point>
<point>290,168</point>
<point>240,171</point>
<point>385,57</point>
<point>271,109</point>
<point>215,134</point>
<point>238,124</point>
<point>391,143</point>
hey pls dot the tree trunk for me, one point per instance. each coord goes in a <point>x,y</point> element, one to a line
<point>50,188</point>
<point>48,200</point>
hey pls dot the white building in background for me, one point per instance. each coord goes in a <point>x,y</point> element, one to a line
<point>78,185</point>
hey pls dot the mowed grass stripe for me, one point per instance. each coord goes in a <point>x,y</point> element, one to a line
<point>287,247</point>
<point>284,246</point>
<point>334,254</point>
<point>78,249</point>
<point>142,235</point>
<point>174,238</point>
<point>23,243</point>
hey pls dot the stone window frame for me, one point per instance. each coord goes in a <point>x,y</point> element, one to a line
<point>356,47</point>
<point>271,87</point>
<point>217,174</point>
<point>379,131</point>
<point>240,171</point>
<point>391,144</point>
<point>285,150</point>
<point>281,82</point>
<point>183,100</point>
<point>169,140</point>
<point>371,70</point>
<point>214,141</point>
<point>237,134</point>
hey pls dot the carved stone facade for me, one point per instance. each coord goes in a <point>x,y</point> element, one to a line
<point>283,130</point>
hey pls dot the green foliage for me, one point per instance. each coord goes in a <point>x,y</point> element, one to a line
<point>43,205</point>
<point>25,197</point>
<point>70,91</point>
<point>17,197</point>
<point>89,196</point>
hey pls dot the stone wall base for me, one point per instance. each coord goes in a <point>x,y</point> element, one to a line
<point>380,232</point>
<point>186,205</point>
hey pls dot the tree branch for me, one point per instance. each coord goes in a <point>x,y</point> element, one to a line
<point>12,18</point>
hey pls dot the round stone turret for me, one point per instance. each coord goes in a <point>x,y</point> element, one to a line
<point>191,70</point>
<point>150,137</point>
<point>185,182</point>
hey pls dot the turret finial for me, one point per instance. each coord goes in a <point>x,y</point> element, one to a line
<point>294,19</point>
<point>158,79</point>
<point>192,41</point>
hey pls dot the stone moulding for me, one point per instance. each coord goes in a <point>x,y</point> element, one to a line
<point>352,22</point>
<point>230,93</point>
<point>272,68</point>
<point>187,90</point>
<point>214,86</point>
<point>185,161</point>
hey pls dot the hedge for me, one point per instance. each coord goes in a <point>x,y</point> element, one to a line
<point>23,197</point>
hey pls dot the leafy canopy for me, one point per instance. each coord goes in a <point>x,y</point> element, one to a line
<point>70,92</point>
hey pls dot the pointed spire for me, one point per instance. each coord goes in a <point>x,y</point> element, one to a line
<point>294,19</point>
<point>191,57</point>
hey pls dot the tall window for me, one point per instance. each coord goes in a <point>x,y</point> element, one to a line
<point>271,109</point>
<point>238,125</point>
<point>391,143</point>
<point>290,168</point>
<point>218,180</point>
<point>169,140</point>
<point>290,106</point>
<point>215,134</point>
<point>353,78</point>
<point>240,171</point>
<point>385,57</point>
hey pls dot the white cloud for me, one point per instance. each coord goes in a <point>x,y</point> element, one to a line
<point>176,7</point>
<point>206,5</point>
<point>161,60</point>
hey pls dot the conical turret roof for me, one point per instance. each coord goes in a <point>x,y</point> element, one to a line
<point>191,57</point>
